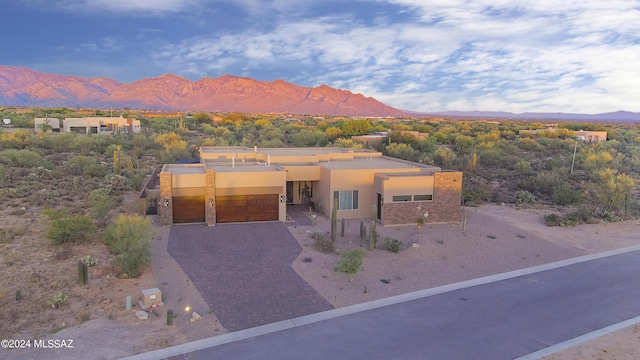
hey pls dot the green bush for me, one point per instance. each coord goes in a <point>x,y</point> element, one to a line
<point>563,194</point>
<point>57,300</point>
<point>350,261</point>
<point>85,165</point>
<point>322,243</point>
<point>101,205</point>
<point>63,229</point>
<point>552,220</point>
<point>393,245</point>
<point>23,158</point>
<point>524,197</point>
<point>129,239</point>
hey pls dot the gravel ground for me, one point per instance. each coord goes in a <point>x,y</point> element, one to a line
<point>494,239</point>
<point>439,255</point>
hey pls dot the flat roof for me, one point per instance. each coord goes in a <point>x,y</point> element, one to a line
<point>373,163</point>
<point>184,168</point>
<point>281,151</point>
<point>244,168</point>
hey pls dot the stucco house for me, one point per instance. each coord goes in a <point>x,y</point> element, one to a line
<point>240,184</point>
<point>101,125</point>
<point>582,135</point>
<point>53,122</point>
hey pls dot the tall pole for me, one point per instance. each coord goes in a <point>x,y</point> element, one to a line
<point>575,147</point>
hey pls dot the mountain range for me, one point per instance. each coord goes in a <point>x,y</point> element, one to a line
<point>25,87</point>
<point>21,86</point>
<point>610,116</point>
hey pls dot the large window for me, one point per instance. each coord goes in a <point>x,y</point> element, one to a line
<point>347,199</point>
<point>422,197</point>
<point>400,198</point>
<point>403,198</point>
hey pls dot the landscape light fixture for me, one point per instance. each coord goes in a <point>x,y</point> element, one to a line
<point>166,202</point>
<point>211,202</point>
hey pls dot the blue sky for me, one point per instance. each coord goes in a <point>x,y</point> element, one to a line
<point>424,55</point>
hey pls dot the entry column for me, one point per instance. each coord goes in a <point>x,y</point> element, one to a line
<point>210,197</point>
<point>165,204</point>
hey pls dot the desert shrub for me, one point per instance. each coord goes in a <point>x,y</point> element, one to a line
<point>136,180</point>
<point>23,158</point>
<point>393,245</point>
<point>527,144</point>
<point>524,197</point>
<point>609,216</point>
<point>84,165</point>
<point>322,243</point>
<point>64,229</point>
<point>552,220</point>
<point>350,261</point>
<point>474,190</point>
<point>563,194</point>
<point>6,235</point>
<point>129,239</point>
<point>101,205</point>
<point>58,300</point>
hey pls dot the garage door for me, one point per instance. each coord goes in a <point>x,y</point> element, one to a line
<point>188,209</point>
<point>243,208</point>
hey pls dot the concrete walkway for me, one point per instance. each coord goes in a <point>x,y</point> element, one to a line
<point>299,214</point>
<point>244,273</point>
<point>504,316</point>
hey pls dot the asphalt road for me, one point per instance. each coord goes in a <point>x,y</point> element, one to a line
<point>500,320</point>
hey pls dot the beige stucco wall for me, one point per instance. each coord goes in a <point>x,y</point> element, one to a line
<point>360,179</point>
<point>302,172</point>
<point>407,185</point>
<point>188,181</point>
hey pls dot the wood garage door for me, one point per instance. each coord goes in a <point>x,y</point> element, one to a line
<point>244,208</point>
<point>188,209</point>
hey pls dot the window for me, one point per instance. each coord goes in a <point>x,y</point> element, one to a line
<point>401,198</point>
<point>422,197</point>
<point>347,199</point>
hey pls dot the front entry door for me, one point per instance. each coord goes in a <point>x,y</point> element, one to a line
<point>289,192</point>
<point>379,206</point>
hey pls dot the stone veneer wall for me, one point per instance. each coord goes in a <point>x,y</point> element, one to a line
<point>166,192</point>
<point>445,207</point>
<point>210,198</point>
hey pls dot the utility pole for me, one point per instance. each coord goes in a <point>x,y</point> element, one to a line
<point>575,147</point>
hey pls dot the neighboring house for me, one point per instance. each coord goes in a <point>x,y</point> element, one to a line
<point>590,135</point>
<point>101,125</point>
<point>372,140</point>
<point>582,135</point>
<point>239,184</point>
<point>53,122</point>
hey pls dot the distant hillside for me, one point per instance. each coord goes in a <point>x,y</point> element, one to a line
<point>612,116</point>
<point>25,87</point>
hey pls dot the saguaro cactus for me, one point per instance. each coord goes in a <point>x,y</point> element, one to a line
<point>116,160</point>
<point>373,237</point>
<point>363,232</point>
<point>342,228</point>
<point>169,317</point>
<point>374,212</point>
<point>83,273</point>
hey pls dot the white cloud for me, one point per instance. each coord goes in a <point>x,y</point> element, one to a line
<point>131,7</point>
<point>559,55</point>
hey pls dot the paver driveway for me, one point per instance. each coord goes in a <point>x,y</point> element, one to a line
<point>244,273</point>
